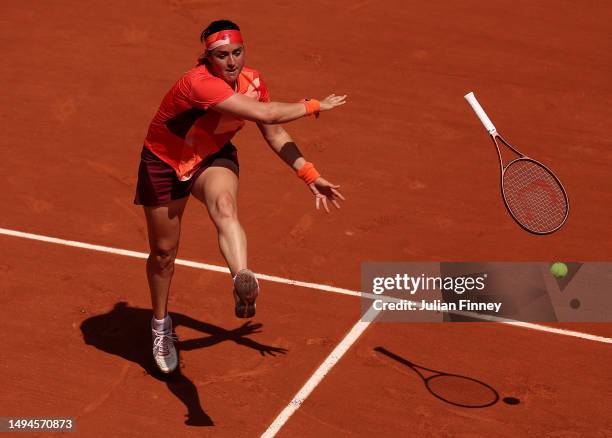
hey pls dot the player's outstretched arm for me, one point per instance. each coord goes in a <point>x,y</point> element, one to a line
<point>284,146</point>
<point>276,112</point>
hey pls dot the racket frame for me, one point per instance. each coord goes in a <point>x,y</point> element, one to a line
<point>494,137</point>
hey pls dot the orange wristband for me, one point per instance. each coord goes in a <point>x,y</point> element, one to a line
<point>308,173</point>
<point>312,106</point>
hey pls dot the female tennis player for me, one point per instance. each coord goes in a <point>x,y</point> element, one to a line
<point>188,150</point>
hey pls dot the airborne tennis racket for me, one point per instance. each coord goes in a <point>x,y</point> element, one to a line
<point>533,195</point>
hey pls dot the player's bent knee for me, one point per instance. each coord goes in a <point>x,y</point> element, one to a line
<point>225,207</point>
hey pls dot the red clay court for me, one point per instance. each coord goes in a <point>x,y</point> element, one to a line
<point>81,83</point>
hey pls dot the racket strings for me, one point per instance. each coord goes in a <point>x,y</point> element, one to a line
<point>534,196</point>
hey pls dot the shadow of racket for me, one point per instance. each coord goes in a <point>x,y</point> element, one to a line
<point>454,389</point>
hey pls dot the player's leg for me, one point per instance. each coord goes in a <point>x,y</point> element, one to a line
<point>217,189</point>
<point>164,228</point>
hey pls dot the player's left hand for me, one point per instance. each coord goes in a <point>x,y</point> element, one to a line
<point>325,191</point>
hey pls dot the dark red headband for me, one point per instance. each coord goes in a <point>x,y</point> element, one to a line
<point>223,37</point>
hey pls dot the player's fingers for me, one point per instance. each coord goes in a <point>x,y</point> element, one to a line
<point>336,204</point>
<point>325,205</point>
<point>338,194</point>
<point>317,202</point>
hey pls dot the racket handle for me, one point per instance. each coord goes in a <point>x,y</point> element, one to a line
<point>480,112</point>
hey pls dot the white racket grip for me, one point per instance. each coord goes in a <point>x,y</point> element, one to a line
<point>480,112</point>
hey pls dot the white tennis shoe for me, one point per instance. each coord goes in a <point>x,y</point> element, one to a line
<point>164,351</point>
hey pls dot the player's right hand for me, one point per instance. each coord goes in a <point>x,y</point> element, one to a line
<point>332,101</point>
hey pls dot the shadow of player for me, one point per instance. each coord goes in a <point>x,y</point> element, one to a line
<point>125,332</point>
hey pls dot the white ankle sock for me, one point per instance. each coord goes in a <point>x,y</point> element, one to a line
<point>161,324</point>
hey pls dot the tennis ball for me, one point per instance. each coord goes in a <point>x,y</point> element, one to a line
<point>558,269</point>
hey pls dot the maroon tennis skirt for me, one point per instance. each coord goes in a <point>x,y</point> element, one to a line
<point>158,183</point>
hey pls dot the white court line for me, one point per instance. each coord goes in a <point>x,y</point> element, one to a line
<point>275,279</point>
<point>321,372</point>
